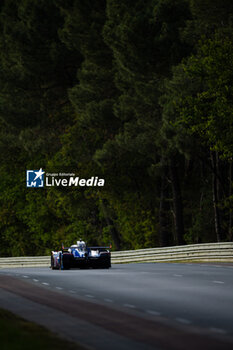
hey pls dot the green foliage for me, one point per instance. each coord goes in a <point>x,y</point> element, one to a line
<point>206,106</point>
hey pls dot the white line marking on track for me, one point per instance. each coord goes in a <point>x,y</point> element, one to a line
<point>45,283</point>
<point>108,300</point>
<point>35,280</point>
<point>176,275</point>
<point>153,312</point>
<point>59,288</point>
<point>130,306</point>
<point>217,330</point>
<point>25,276</point>
<point>72,291</point>
<point>219,282</point>
<point>89,295</point>
<point>183,320</point>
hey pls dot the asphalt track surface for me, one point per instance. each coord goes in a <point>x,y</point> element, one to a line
<point>130,306</point>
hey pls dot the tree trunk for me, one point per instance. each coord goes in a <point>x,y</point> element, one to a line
<point>230,210</point>
<point>164,233</point>
<point>215,185</point>
<point>177,203</point>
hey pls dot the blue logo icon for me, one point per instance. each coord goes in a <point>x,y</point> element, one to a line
<point>35,178</point>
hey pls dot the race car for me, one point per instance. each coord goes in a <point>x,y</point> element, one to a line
<point>79,255</point>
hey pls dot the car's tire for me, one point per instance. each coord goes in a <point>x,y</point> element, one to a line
<point>66,261</point>
<point>107,264</point>
<point>52,263</point>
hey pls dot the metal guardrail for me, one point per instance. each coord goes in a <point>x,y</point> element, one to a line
<point>222,252</point>
<point>206,252</point>
<point>29,261</point>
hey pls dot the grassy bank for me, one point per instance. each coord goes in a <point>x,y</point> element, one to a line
<point>19,334</point>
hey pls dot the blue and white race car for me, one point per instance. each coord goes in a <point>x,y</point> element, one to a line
<point>79,255</point>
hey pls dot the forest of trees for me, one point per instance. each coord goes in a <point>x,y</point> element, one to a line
<point>139,93</point>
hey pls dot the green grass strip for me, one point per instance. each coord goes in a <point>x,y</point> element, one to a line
<point>19,334</point>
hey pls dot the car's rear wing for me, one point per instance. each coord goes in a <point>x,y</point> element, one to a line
<point>65,249</point>
<point>109,247</point>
